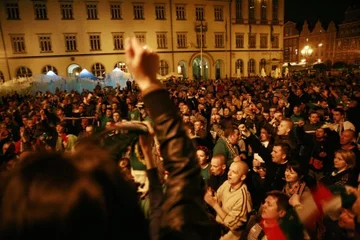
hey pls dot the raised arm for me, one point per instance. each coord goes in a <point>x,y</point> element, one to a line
<point>183,215</point>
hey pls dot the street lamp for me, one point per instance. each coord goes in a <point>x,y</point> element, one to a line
<point>306,52</point>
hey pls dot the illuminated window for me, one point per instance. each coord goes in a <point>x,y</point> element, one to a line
<point>163,68</point>
<point>98,70</point>
<point>239,66</point>
<point>48,68</point>
<point>251,66</point>
<point>23,72</point>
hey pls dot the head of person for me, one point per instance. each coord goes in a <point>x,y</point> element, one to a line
<point>232,134</point>
<point>202,155</point>
<point>186,118</point>
<point>218,165</point>
<point>275,206</point>
<point>347,220</point>
<point>69,195</point>
<point>314,118</point>
<point>347,137</point>
<point>237,173</point>
<point>297,110</point>
<point>344,159</point>
<point>280,153</point>
<point>116,117</point>
<point>294,172</point>
<point>338,114</point>
<point>198,125</point>
<point>320,134</point>
<point>264,135</point>
<point>284,127</point>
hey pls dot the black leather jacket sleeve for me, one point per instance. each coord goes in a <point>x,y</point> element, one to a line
<point>183,214</point>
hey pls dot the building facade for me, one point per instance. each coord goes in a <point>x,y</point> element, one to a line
<point>321,41</point>
<point>291,43</point>
<point>348,39</point>
<point>196,38</point>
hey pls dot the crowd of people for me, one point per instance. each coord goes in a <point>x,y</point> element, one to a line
<point>250,158</point>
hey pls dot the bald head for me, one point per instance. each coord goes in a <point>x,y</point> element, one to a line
<point>241,167</point>
<point>237,174</point>
<point>218,165</point>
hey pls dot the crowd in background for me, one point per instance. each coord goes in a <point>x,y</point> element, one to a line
<point>263,145</point>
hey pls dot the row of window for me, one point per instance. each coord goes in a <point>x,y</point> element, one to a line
<point>71,45</point>
<point>97,69</point>
<point>239,66</point>
<point>67,11</point>
<point>251,10</point>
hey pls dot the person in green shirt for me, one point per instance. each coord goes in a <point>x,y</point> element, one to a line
<point>203,156</point>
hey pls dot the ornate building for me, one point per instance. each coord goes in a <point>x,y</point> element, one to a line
<point>321,41</point>
<point>197,38</point>
<point>291,42</point>
<point>348,40</point>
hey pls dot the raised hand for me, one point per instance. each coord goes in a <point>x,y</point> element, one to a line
<point>142,62</point>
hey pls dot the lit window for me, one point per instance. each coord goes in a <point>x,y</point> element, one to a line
<point>163,68</point>
<point>98,70</point>
<point>23,72</point>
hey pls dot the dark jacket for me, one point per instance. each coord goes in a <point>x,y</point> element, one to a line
<point>183,215</point>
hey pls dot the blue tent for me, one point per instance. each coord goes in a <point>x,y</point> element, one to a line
<point>86,74</point>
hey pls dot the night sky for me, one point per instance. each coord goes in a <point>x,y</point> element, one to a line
<point>313,10</point>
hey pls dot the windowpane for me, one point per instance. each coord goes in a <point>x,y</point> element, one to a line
<point>219,40</point>
<point>239,40</point>
<point>18,43</point>
<point>160,12</point>
<point>95,42</point>
<point>164,68</point>
<point>180,12</point>
<point>48,68</point>
<point>70,42</point>
<point>115,10</point>
<point>161,40</point>
<point>40,11</point>
<point>98,70</point>
<point>92,12</point>
<point>12,11</point>
<point>138,11</point>
<point>45,43</point>
<point>118,41</point>
<point>181,40</point>
<point>67,11</point>
<point>23,72</point>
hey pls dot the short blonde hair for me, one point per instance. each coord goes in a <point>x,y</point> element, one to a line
<point>348,156</point>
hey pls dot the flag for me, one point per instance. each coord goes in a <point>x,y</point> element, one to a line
<point>272,33</point>
<point>226,37</point>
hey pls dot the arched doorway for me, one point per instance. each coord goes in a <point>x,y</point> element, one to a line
<point>182,69</point>
<point>73,70</point>
<point>219,69</point>
<point>200,68</point>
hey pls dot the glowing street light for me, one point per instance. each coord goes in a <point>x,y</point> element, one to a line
<point>307,51</point>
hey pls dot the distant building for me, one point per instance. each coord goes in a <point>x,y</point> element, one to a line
<point>232,38</point>
<point>348,39</point>
<point>291,42</point>
<point>322,42</point>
